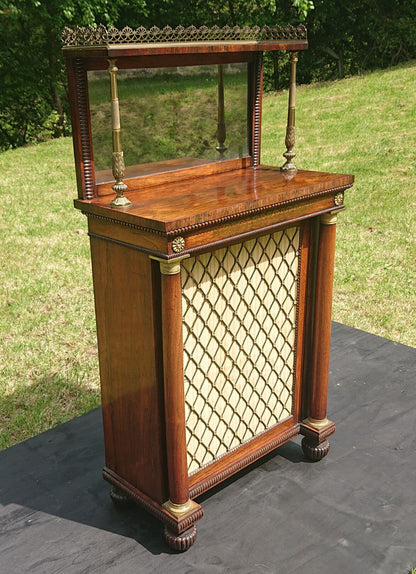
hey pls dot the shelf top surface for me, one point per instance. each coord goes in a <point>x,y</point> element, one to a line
<point>204,201</point>
<point>130,42</point>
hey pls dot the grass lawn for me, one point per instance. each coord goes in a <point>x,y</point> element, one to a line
<point>365,126</point>
<point>48,359</point>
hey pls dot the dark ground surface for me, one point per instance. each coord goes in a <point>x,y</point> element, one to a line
<point>353,512</point>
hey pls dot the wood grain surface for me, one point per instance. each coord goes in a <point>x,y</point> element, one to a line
<point>204,200</point>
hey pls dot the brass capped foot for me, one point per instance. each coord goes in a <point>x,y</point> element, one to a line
<point>180,542</point>
<point>313,450</point>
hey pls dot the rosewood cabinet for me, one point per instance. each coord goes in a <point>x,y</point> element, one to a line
<point>212,272</point>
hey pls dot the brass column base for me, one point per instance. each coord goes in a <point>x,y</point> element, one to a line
<point>120,201</point>
<point>317,424</point>
<point>180,510</point>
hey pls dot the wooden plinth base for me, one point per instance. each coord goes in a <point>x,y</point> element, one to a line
<point>180,542</point>
<point>119,498</point>
<point>314,443</point>
<point>180,532</point>
<point>314,451</point>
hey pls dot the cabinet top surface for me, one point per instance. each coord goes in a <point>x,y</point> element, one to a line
<point>212,199</point>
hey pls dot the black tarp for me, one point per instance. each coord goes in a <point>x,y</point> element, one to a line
<point>353,512</point>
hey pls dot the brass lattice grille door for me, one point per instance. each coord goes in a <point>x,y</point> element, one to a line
<point>239,327</point>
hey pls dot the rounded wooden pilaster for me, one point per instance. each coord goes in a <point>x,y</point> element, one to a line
<point>322,323</point>
<point>171,294</point>
<point>180,529</point>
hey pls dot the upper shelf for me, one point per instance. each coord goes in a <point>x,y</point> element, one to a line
<point>150,96</point>
<point>155,41</point>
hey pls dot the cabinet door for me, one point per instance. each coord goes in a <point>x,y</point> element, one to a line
<point>240,336</point>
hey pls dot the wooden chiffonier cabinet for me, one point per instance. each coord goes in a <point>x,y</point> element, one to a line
<point>212,272</point>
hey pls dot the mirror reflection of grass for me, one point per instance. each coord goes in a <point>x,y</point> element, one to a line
<point>168,115</point>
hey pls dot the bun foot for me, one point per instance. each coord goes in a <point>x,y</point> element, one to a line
<point>314,451</point>
<point>181,542</point>
<point>119,498</point>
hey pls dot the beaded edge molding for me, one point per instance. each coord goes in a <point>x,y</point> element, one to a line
<point>205,485</point>
<point>219,220</point>
<point>101,36</point>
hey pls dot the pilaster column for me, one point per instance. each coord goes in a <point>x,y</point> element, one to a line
<point>316,427</point>
<point>322,322</point>
<point>179,503</point>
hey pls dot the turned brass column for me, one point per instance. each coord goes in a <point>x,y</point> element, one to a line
<point>221,132</point>
<point>289,154</point>
<point>118,158</point>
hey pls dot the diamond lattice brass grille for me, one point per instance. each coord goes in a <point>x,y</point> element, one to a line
<point>239,320</point>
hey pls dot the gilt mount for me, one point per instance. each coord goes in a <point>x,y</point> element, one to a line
<point>101,36</point>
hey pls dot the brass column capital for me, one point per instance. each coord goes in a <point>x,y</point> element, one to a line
<point>329,218</point>
<point>169,266</point>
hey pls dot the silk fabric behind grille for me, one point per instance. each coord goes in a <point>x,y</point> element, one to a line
<point>239,317</point>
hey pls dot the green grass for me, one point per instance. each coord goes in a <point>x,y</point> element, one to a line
<point>48,358</point>
<point>365,126</point>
